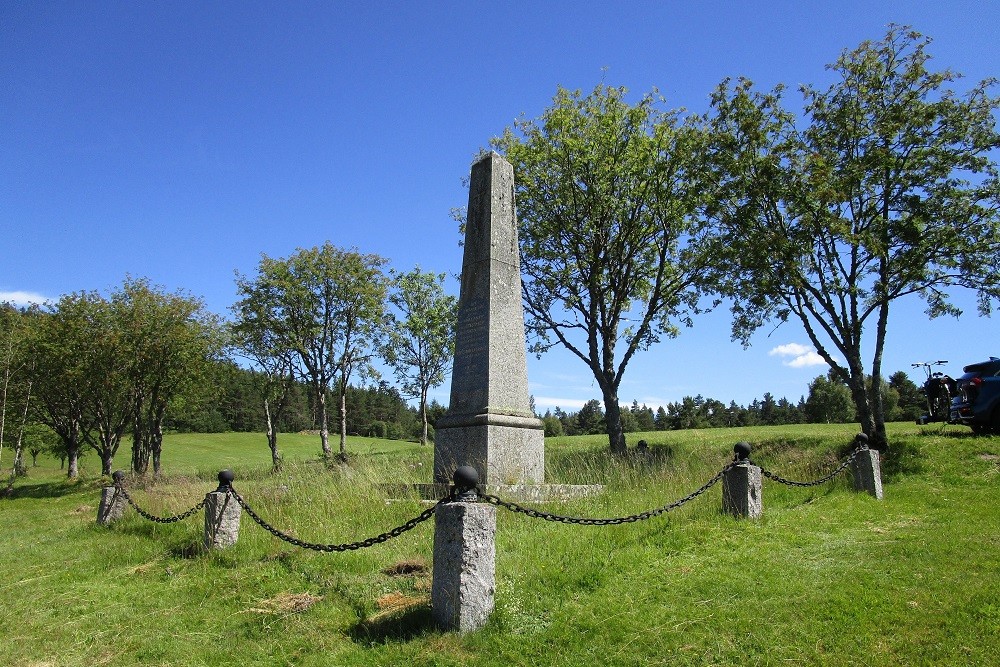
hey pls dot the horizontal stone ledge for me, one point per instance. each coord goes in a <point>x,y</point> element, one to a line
<point>488,419</point>
<point>514,492</point>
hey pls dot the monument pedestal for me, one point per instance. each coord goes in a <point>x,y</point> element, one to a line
<point>506,449</point>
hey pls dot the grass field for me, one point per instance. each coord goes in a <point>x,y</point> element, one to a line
<point>826,577</point>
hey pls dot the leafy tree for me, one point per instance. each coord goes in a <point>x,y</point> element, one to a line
<point>885,188</point>
<point>274,361</point>
<point>61,339</point>
<point>171,341</point>
<point>323,305</point>
<point>553,427</point>
<point>911,399</point>
<point>829,401</point>
<point>644,419</point>
<point>15,380</point>
<point>590,418</point>
<point>607,194</point>
<point>107,391</point>
<point>421,340</point>
<point>662,420</point>
<point>38,438</point>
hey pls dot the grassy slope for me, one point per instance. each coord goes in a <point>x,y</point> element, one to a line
<point>826,577</point>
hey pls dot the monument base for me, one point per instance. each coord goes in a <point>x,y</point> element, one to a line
<point>518,493</point>
<point>501,453</point>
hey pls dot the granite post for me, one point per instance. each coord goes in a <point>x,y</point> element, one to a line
<point>113,502</point>
<point>489,424</point>
<point>867,471</point>
<point>464,570</point>
<point>742,488</point>
<point>222,515</point>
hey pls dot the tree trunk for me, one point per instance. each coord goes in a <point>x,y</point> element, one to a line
<point>343,422</point>
<point>423,415</point>
<point>107,462</point>
<point>73,467</point>
<point>272,437</point>
<point>324,431</point>
<point>879,439</point>
<point>613,420</point>
<point>140,448</point>
<point>860,395</point>
<point>156,445</point>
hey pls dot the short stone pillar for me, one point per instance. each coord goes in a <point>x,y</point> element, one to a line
<point>222,515</point>
<point>742,492</point>
<point>113,501</point>
<point>867,469</point>
<point>464,571</point>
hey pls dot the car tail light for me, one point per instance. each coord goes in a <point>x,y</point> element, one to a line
<point>976,381</point>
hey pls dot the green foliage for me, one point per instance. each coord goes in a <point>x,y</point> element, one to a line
<point>421,340</point>
<point>316,314</point>
<point>911,403</point>
<point>886,187</point>
<point>607,194</point>
<point>829,401</point>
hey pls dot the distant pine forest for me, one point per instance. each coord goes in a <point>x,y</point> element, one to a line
<point>378,410</point>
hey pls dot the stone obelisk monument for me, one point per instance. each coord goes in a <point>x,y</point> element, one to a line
<point>489,424</point>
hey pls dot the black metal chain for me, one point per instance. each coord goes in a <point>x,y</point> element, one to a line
<point>839,469</point>
<point>350,546</point>
<point>536,514</point>
<point>159,519</point>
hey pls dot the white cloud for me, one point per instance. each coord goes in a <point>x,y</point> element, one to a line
<point>807,359</point>
<point>802,356</point>
<point>21,298</point>
<point>791,350</point>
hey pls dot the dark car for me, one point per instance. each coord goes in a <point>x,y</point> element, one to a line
<point>978,401</point>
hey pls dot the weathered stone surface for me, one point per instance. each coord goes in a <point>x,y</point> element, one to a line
<point>742,492</point>
<point>502,454</point>
<point>222,520</point>
<point>490,424</point>
<point>868,473</point>
<point>112,506</point>
<point>464,573</point>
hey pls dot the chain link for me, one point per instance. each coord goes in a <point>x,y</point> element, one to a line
<point>159,519</point>
<point>350,546</point>
<point>839,469</point>
<point>581,521</point>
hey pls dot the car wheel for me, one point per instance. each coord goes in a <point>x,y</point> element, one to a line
<point>995,421</point>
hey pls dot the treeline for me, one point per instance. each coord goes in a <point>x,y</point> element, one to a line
<point>232,401</point>
<point>829,401</point>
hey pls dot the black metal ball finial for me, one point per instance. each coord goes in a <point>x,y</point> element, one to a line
<point>466,482</point>
<point>742,450</point>
<point>226,478</point>
<point>861,440</point>
<point>118,477</point>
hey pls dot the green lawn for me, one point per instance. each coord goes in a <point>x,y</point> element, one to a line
<point>826,577</point>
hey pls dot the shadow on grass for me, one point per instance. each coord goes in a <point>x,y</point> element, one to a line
<point>45,490</point>
<point>402,626</point>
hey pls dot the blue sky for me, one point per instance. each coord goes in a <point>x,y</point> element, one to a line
<point>178,141</point>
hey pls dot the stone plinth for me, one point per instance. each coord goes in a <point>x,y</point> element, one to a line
<point>464,572</point>
<point>222,520</point>
<point>742,491</point>
<point>489,423</point>
<point>867,471</point>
